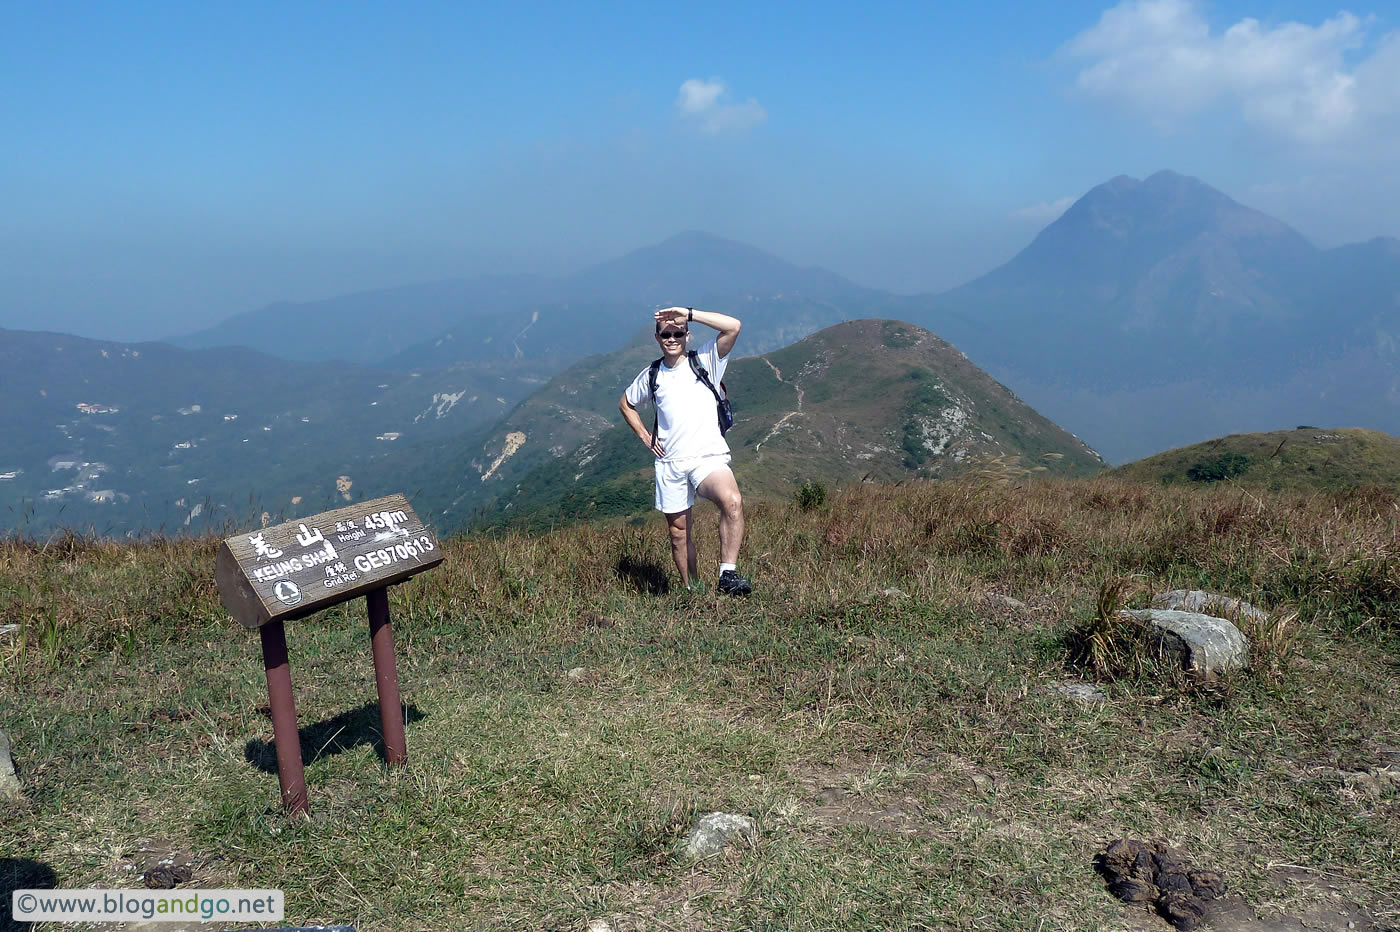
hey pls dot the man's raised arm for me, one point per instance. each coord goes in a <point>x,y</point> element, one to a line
<point>727,326</point>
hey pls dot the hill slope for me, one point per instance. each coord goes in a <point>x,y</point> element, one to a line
<point>875,399</point>
<point>1305,458</point>
<point>159,436</point>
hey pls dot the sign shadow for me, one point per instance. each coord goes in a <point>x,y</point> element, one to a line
<point>21,874</point>
<point>335,735</point>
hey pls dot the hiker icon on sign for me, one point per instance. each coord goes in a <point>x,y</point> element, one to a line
<point>287,592</point>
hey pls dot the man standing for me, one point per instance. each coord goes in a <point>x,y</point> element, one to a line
<point>691,455</point>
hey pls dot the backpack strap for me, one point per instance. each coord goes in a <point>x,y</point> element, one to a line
<point>704,376</point>
<point>651,383</point>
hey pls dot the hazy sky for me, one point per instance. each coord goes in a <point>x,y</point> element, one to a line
<point>163,166</point>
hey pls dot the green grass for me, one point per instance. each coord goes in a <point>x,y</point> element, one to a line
<point>908,760</point>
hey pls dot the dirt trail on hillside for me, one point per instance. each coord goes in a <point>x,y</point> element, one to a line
<point>758,447</point>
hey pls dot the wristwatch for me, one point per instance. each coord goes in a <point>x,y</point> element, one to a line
<point>690,315</point>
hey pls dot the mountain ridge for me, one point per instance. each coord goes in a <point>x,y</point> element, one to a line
<point>872,398</point>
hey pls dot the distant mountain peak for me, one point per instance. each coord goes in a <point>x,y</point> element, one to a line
<point>1163,192</point>
<point>1124,227</point>
<point>701,238</point>
<point>695,264</point>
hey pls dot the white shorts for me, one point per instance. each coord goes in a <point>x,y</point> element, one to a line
<point>677,480</point>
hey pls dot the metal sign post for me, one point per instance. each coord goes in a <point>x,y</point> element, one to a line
<point>296,569</point>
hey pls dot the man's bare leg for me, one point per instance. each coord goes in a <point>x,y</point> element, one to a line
<point>683,551</point>
<point>721,488</point>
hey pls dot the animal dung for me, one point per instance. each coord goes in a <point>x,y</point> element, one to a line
<point>167,878</point>
<point>1157,876</point>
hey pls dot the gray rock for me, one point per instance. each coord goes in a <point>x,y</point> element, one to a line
<point>895,594</point>
<point>1205,645</point>
<point>1009,602</point>
<point>1379,781</point>
<point>10,788</point>
<point>1207,603</point>
<point>1084,692</point>
<point>7,629</point>
<point>714,832</point>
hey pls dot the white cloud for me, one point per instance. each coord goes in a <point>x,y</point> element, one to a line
<point>704,104</point>
<point>1043,212</point>
<point>1314,84</point>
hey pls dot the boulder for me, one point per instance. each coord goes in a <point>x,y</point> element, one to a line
<point>1207,603</point>
<point>1204,644</point>
<point>714,832</point>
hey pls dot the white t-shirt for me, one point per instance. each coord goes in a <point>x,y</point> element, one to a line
<point>686,424</point>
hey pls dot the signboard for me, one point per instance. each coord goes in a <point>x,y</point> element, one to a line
<point>295,569</point>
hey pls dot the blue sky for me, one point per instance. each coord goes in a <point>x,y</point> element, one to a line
<point>167,165</point>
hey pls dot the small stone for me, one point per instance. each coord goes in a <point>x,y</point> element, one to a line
<point>1379,781</point>
<point>1009,602</point>
<point>6,629</point>
<point>10,788</point>
<point>755,777</point>
<point>577,673</point>
<point>599,925</point>
<point>714,832</point>
<point>895,594</point>
<point>1084,692</point>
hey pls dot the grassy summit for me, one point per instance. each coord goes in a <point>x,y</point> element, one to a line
<point>911,757</point>
<point>1305,458</point>
<point>866,399</point>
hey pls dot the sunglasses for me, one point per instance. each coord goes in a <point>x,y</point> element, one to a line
<point>672,335</point>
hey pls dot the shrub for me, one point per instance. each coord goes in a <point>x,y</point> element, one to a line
<point>1224,466</point>
<point>810,495</point>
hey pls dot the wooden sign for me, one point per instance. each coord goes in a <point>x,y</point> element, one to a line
<point>295,569</point>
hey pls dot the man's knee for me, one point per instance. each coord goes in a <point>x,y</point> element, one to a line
<point>732,504</point>
<point>679,528</point>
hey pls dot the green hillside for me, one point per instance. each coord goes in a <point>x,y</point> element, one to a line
<point>867,399</point>
<point>1304,458</point>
